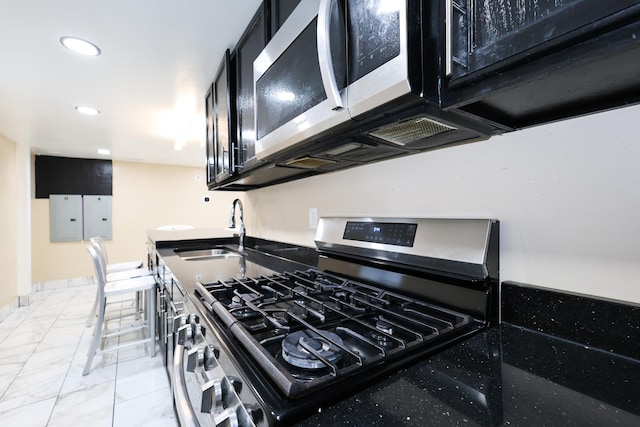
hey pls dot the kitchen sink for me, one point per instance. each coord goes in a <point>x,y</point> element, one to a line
<point>190,254</point>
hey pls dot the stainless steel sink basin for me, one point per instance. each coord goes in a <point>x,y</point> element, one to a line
<point>208,253</point>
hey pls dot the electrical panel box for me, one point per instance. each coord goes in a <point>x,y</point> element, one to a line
<point>97,217</point>
<point>74,217</point>
<point>65,216</point>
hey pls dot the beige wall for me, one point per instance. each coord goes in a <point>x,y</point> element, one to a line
<point>567,196</point>
<point>8,218</point>
<point>145,196</point>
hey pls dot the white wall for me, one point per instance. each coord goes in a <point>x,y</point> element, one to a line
<point>567,195</point>
<point>23,221</point>
<point>8,216</point>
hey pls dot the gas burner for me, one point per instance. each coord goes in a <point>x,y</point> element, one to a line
<point>383,339</point>
<point>236,302</point>
<point>281,316</point>
<point>384,326</point>
<point>355,304</point>
<point>300,290</point>
<point>298,349</point>
<point>347,298</point>
<point>285,316</point>
<point>242,312</point>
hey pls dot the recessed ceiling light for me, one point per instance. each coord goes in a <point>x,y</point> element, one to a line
<point>90,111</point>
<point>103,151</point>
<point>80,46</point>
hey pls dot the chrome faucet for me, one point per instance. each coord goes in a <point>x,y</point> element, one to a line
<point>232,222</point>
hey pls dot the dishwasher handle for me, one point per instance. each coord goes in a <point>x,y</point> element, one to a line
<point>186,414</point>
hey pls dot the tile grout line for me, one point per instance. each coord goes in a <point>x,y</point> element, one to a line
<point>29,315</point>
<point>115,382</point>
<point>66,375</point>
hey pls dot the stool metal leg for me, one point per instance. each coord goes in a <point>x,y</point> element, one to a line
<point>92,314</point>
<point>152,321</point>
<point>97,336</point>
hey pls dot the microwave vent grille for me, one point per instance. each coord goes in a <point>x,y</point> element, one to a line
<point>410,131</point>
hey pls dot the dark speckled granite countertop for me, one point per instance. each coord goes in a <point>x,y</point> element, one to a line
<point>514,375</point>
<point>504,376</point>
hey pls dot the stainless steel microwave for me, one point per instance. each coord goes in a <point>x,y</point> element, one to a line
<point>314,74</point>
<point>339,65</point>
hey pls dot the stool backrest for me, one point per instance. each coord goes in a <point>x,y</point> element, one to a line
<point>97,240</point>
<point>100,268</point>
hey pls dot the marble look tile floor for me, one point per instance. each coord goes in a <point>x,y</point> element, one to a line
<point>43,349</point>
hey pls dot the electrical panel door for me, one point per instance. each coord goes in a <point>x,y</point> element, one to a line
<point>65,215</point>
<point>97,217</point>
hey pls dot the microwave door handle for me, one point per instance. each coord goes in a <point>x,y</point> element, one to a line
<point>324,56</point>
<point>448,48</point>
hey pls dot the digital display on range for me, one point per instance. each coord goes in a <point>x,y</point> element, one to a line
<point>388,233</point>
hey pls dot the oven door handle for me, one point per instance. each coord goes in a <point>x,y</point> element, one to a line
<point>186,414</point>
<point>324,55</point>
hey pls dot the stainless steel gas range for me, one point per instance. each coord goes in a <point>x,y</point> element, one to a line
<point>265,340</point>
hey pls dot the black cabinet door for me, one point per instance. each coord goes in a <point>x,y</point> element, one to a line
<point>487,36</point>
<point>224,120</point>
<point>248,48</point>
<point>527,62</point>
<point>280,11</point>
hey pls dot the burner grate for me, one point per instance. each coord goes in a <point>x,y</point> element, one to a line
<point>307,329</point>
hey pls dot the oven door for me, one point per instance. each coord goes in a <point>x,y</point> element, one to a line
<point>300,78</point>
<point>206,392</point>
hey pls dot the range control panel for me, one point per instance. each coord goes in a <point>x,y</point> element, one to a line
<point>388,233</point>
<point>413,241</point>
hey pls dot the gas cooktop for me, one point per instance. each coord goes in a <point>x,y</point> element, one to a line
<point>307,329</point>
<point>385,292</point>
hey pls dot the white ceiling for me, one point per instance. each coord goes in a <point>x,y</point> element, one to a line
<point>158,58</point>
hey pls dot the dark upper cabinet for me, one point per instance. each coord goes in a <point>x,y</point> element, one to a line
<point>526,62</point>
<point>280,11</point>
<point>248,48</point>
<point>499,65</point>
<point>224,120</point>
<point>66,175</point>
<point>231,122</point>
<point>490,35</point>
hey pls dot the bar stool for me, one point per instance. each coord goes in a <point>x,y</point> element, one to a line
<point>119,271</point>
<point>120,266</point>
<point>111,289</point>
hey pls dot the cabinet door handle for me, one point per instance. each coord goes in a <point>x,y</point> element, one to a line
<point>449,59</point>
<point>225,160</point>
